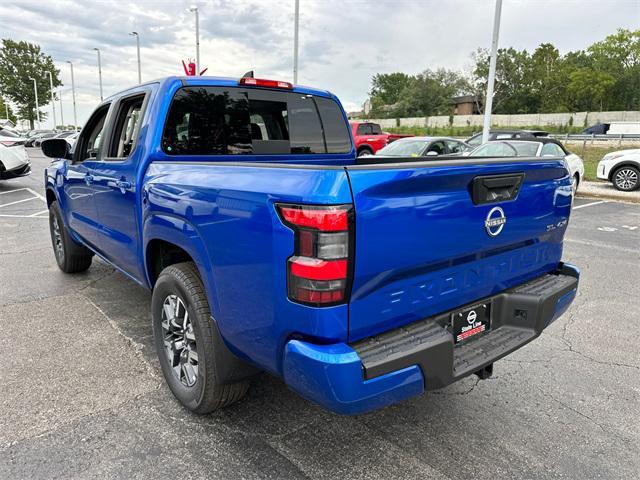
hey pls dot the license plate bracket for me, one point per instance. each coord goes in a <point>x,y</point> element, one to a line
<point>470,321</point>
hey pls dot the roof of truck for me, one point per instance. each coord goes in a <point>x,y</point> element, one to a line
<point>224,82</point>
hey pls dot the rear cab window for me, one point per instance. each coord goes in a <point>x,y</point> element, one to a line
<point>245,121</point>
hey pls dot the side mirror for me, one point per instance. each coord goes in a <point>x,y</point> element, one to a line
<point>432,153</point>
<point>56,148</point>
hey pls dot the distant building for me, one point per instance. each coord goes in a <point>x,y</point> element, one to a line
<point>466,105</point>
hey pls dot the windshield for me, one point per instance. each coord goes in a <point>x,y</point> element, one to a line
<point>411,148</point>
<point>525,149</point>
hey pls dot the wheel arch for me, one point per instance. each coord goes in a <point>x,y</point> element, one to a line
<point>624,163</point>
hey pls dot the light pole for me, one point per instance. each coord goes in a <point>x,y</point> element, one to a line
<point>73,93</point>
<point>99,71</point>
<point>195,10</point>
<point>488,102</point>
<point>135,34</point>
<point>61,111</point>
<point>6,108</point>
<point>296,21</point>
<point>53,102</point>
<point>35,89</point>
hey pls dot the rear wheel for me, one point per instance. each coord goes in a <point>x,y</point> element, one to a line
<point>626,178</point>
<point>70,256</point>
<point>575,182</point>
<point>184,338</point>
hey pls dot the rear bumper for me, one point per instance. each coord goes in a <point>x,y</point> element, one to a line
<point>21,171</point>
<point>387,368</point>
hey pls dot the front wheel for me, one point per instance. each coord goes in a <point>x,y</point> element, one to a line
<point>70,256</point>
<point>184,339</point>
<point>626,178</point>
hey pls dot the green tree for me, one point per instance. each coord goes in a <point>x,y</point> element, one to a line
<point>20,61</point>
<point>430,93</point>
<point>589,87</point>
<point>387,87</point>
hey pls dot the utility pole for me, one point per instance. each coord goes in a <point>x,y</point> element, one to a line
<point>99,71</point>
<point>135,34</point>
<point>195,10</point>
<point>488,102</point>
<point>73,92</point>
<point>296,22</point>
<point>35,89</point>
<point>53,101</point>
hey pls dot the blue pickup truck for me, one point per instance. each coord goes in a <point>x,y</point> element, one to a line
<point>270,246</point>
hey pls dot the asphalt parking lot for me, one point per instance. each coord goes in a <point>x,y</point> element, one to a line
<point>83,395</point>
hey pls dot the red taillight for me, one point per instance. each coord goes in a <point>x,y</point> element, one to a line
<point>11,143</point>
<point>319,269</point>
<point>262,82</point>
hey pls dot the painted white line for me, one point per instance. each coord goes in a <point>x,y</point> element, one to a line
<point>37,195</point>
<point>589,204</point>
<point>601,245</point>
<point>12,191</point>
<point>38,213</point>
<point>18,201</point>
<point>19,216</point>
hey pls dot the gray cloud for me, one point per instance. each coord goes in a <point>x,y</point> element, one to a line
<point>343,42</point>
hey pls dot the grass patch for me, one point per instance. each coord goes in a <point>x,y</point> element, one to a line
<point>591,155</point>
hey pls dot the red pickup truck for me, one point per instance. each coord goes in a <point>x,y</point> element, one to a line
<point>369,137</point>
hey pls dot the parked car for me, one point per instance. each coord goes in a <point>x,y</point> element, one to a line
<point>622,168</point>
<point>32,137</point>
<point>65,134</point>
<point>370,138</point>
<point>14,161</point>
<point>597,129</point>
<point>424,146</point>
<point>37,141</point>
<point>476,139</point>
<point>237,204</point>
<point>534,147</point>
<point>71,140</point>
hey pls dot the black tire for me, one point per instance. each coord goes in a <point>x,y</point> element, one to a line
<point>626,178</point>
<point>182,281</point>
<point>575,184</point>
<point>364,151</point>
<point>71,257</point>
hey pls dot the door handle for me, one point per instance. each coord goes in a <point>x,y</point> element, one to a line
<point>88,179</point>
<point>123,185</point>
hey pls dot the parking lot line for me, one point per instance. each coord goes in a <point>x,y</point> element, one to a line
<point>589,204</point>
<point>41,197</point>
<point>18,201</point>
<point>13,191</point>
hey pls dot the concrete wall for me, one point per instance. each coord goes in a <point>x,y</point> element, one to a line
<point>514,120</point>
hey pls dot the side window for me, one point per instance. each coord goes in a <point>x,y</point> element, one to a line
<point>551,149</point>
<point>454,147</point>
<point>375,129</point>
<point>334,126</point>
<point>88,143</point>
<point>437,147</point>
<point>126,128</point>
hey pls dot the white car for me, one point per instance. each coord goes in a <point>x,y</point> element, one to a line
<point>14,160</point>
<point>622,168</point>
<point>533,147</point>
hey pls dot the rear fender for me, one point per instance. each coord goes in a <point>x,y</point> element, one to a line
<point>178,231</point>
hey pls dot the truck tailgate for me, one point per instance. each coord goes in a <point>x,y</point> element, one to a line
<point>424,246</point>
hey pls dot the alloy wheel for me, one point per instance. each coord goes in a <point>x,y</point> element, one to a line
<point>179,340</point>
<point>57,239</point>
<point>626,179</point>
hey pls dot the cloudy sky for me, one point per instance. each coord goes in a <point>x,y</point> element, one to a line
<point>342,43</point>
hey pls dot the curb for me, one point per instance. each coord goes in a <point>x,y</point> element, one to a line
<point>604,196</point>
